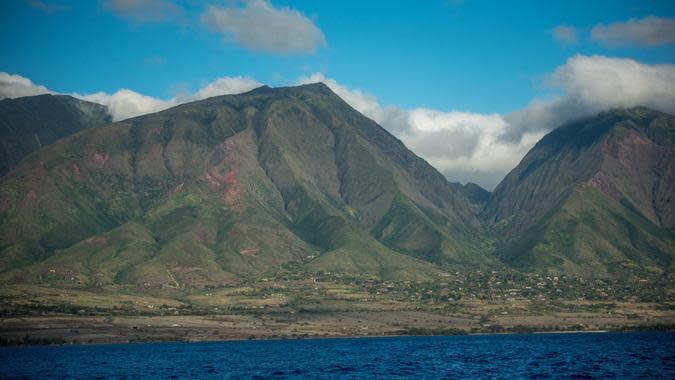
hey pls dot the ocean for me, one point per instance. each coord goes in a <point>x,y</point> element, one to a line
<point>575,355</point>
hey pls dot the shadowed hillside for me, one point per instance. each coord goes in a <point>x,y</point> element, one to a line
<point>32,122</point>
<point>476,195</point>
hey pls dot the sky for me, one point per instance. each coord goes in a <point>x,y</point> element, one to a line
<point>468,85</point>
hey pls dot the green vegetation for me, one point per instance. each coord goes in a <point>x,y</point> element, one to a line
<point>230,189</point>
<point>30,123</point>
<point>592,198</point>
<point>287,210</point>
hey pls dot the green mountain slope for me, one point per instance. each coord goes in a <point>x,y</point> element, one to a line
<point>594,198</point>
<point>29,123</point>
<point>233,187</point>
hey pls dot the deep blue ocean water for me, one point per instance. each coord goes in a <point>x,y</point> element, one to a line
<point>578,355</point>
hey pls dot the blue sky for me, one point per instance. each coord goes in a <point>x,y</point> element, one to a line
<point>472,55</point>
<point>477,57</point>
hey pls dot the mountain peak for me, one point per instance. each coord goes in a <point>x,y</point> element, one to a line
<point>317,88</point>
<point>592,197</point>
<point>235,186</point>
<point>259,90</point>
<point>584,132</point>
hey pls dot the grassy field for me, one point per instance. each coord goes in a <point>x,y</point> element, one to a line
<point>329,306</point>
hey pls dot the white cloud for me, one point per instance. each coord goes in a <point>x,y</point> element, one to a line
<point>603,82</point>
<point>465,146</point>
<point>367,104</point>
<point>125,103</point>
<point>14,86</point>
<point>564,34</point>
<point>648,31</point>
<point>227,85</point>
<point>592,84</point>
<point>140,11</point>
<point>260,26</point>
<point>482,148</point>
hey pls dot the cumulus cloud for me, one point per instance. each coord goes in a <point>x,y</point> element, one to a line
<point>592,84</point>
<point>648,31</point>
<point>395,119</point>
<point>227,85</point>
<point>482,148</point>
<point>603,82</point>
<point>564,34</point>
<point>258,25</point>
<point>365,103</point>
<point>464,146</point>
<point>141,11</point>
<point>14,86</point>
<point>126,103</point>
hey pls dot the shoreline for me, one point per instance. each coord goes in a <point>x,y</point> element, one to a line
<point>379,320</point>
<point>150,340</point>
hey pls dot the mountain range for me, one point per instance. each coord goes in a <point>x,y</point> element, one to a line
<point>294,179</point>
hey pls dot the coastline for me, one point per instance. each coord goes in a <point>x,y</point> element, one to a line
<point>43,335</point>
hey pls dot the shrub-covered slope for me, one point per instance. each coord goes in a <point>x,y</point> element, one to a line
<point>593,198</point>
<point>233,187</point>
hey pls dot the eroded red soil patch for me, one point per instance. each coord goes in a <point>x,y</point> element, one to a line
<point>232,187</point>
<point>248,251</point>
<point>100,159</point>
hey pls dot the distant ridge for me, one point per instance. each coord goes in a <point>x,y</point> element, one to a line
<point>475,194</point>
<point>32,122</point>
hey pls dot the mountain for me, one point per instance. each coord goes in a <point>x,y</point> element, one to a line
<point>233,187</point>
<point>29,123</point>
<point>592,198</point>
<point>474,193</point>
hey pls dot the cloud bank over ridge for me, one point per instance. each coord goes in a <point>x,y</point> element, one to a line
<point>483,148</point>
<point>464,146</point>
<point>125,103</point>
